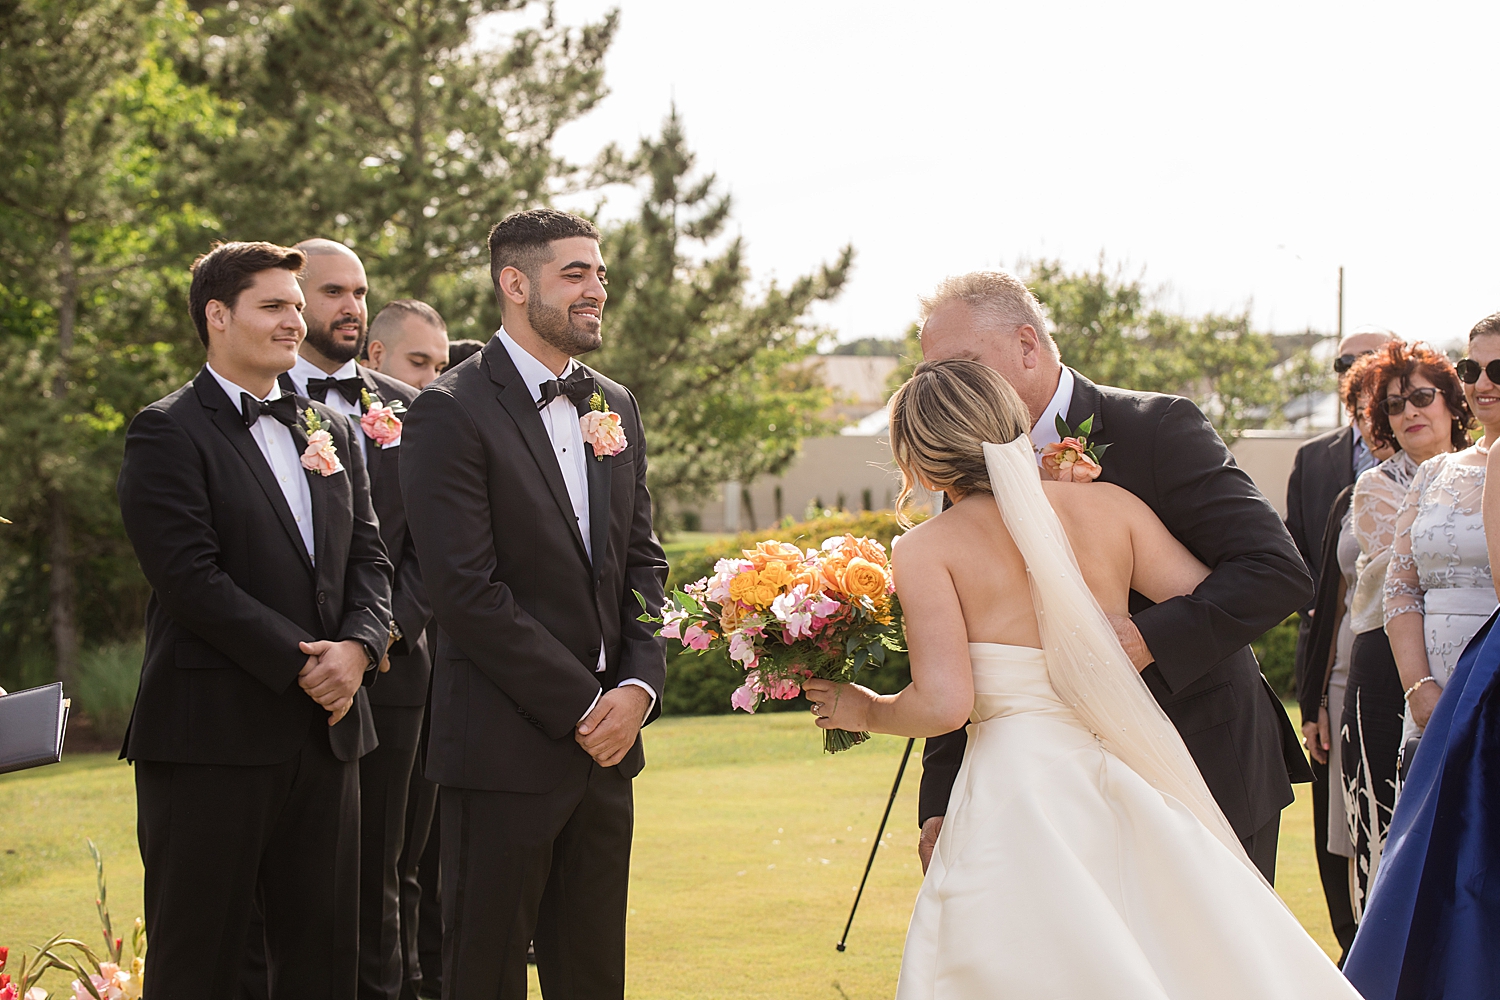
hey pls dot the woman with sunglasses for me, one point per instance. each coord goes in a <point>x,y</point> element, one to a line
<point>1430,928</point>
<point>1369,723</point>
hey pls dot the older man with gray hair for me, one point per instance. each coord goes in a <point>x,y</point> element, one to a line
<point>1193,651</point>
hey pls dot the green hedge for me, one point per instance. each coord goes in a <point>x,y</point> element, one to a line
<point>700,683</point>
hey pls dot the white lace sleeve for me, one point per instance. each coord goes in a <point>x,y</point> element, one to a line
<point>1403,590</point>
<point>1377,500</point>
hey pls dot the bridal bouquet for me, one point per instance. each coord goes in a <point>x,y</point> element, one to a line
<point>786,615</point>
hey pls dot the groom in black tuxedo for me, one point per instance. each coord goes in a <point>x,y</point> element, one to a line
<point>1193,652</point>
<point>270,608</point>
<point>535,538</point>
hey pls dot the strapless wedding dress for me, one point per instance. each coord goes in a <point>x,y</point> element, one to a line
<point>1082,856</point>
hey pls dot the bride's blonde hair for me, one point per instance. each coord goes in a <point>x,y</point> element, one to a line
<point>941,418</point>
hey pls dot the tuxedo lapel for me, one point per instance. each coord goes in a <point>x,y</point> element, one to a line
<point>1083,404</point>
<point>600,473</point>
<point>317,490</point>
<point>373,451</point>
<point>516,398</point>
<point>227,418</point>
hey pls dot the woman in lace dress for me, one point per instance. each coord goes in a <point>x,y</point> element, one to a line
<point>1369,727</point>
<point>1438,589</point>
<point>1433,918</point>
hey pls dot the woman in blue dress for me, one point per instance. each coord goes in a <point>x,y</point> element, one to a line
<point>1431,928</point>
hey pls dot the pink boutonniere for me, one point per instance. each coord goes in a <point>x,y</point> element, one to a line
<point>601,428</point>
<point>381,421</point>
<point>1073,459</point>
<point>320,455</point>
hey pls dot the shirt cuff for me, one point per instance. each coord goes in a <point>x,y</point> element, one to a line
<point>648,689</point>
<point>585,715</point>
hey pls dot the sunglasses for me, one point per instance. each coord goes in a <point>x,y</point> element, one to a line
<point>1469,369</point>
<point>1393,405</point>
<point>1344,362</point>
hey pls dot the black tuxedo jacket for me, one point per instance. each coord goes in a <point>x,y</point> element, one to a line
<point>1323,468</point>
<point>1164,451</point>
<point>232,588</point>
<point>411,663</point>
<point>523,611</point>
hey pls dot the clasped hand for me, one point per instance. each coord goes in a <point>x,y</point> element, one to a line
<point>839,706</point>
<point>332,674</point>
<point>609,731</point>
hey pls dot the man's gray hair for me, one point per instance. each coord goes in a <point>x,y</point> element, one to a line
<point>998,294</point>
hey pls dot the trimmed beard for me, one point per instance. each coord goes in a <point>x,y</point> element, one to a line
<point>320,335</point>
<point>556,327</point>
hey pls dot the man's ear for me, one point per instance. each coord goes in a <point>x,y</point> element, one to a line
<point>217,314</point>
<point>1031,345</point>
<point>375,353</point>
<point>512,287</point>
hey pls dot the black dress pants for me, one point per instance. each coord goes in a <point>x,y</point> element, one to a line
<point>421,912</point>
<point>1261,846</point>
<point>384,777</point>
<point>216,839</point>
<point>551,868</point>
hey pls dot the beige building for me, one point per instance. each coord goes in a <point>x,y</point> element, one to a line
<point>853,470</point>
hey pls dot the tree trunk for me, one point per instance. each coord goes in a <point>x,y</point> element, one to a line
<point>63,588</point>
<point>63,592</point>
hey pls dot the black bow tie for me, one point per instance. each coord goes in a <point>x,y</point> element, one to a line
<point>349,388</point>
<point>578,387</point>
<point>283,408</point>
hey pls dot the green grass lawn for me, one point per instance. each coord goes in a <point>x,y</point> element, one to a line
<point>749,844</point>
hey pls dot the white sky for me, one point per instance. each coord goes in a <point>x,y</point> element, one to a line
<point>1237,153</point>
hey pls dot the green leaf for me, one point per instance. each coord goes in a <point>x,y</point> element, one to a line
<point>1063,430</point>
<point>1087,426</point>
<point>1098,451</point>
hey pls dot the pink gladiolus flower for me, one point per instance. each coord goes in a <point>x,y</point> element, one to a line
<point>745,698</point>
<point>696,637</point>
<point>321,456</point>
<point>381,425</point>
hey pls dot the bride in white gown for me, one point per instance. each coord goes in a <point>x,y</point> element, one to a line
<point>1082,856</point>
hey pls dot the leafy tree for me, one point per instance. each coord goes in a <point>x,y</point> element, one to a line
<point>1106,327</point>
<point>722,376</point>
<point>95,126</point>
<point>382,124</point>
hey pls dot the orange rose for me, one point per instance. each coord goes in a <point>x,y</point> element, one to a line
<point>872,550</point>
<point>833,571</point>
<point>863,578</point>
<point>775,574</point>
<point>743,586</point>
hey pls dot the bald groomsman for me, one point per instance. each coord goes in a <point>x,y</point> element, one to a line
<point>337,316</point>
<point>408,342</point>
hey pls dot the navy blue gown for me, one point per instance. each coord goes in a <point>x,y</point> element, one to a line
<point>1432,926</point>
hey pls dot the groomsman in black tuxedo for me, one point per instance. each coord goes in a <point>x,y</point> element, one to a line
<point>534,530</point>
<point>250,512</point>
<point>326,370</point>
<point>1193,652</point>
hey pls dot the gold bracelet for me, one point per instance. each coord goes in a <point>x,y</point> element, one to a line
<point>1413,689</point>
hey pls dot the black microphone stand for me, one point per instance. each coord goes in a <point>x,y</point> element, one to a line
<point>876,846</point>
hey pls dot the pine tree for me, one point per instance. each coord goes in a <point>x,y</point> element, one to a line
<point>722,376</point>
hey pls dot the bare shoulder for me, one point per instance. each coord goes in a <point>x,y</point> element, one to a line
<point>1094,499</point>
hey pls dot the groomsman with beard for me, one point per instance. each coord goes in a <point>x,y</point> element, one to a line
<point>529,506</point>
<point>270,608</point>
<point>1193,652</point>
<point>336,288</point>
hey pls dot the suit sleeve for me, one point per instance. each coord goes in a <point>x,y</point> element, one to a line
<point>445,486</point>
<point>367,572</point>
<point>1257,577</point>
<point>941,758</point>
<point>409,603</point>
<point>165,506</point>
<point>642,655</point>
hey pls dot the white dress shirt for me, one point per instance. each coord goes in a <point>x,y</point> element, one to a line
<point>305,369</point>
<point>560,418</point>
<point>1045,431</point>
<point>280,449</point>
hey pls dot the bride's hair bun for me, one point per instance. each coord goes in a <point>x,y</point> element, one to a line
<point>941,418</point>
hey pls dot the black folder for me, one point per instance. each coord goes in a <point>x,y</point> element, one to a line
<point>32,723</point>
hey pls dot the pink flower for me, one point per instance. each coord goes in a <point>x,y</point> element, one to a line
<point>791,610</point>
<point>381,425</point>
<point>672,625</point>
<point>1067,462</point>
<point>742,648</point>
<point>745,698</point>
<point>603,432</point>
<point>10,991</point>
<point>697,637</point>
<point>780,688</point>
<point>825,607</point>
<point>321,456</point>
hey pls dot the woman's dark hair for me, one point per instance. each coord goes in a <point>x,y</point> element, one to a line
<point>1398,361</point>
<point>1487,327</point>
<point>230,268</point>
<point>459,350</point>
